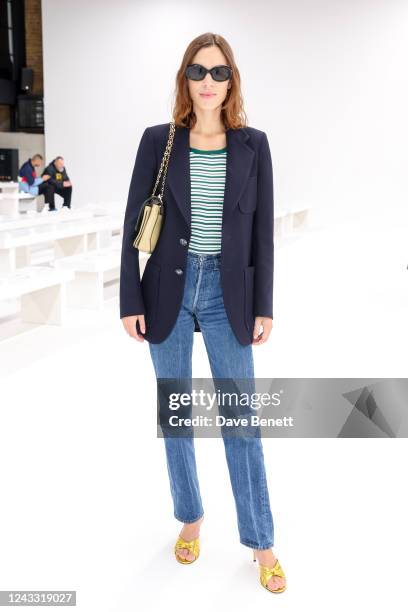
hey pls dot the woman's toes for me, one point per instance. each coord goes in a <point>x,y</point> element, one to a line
<point>276,582</point>
<point>185,554</point>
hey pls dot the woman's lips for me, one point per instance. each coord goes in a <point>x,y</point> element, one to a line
<point>205,95</point>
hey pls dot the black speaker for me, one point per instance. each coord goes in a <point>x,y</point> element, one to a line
<point>8,164</point>
<point>27,79</point>
<point>30,110</point>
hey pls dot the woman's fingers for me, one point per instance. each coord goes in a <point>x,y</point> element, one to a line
<point>258,336</point>
<point>130,326</point>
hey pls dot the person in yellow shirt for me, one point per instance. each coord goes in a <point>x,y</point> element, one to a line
<point>60,181</point>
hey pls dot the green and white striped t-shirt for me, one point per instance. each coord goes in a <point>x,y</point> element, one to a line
<point>207,171</point>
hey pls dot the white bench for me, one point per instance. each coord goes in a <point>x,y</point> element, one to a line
<point>35,219</point>
<point>9,200</point>
<point>29,202</point>
<point>299,216</point>
<point>91,270</point>
<point>13,201</point>
<point>42,291</point>
<point>69,238</point>
<point>288,220</point>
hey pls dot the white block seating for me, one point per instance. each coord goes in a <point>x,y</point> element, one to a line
<point>82,250</point>
<point>91,271</point>
<point>69,236</point>
<point>288,220</point>
<point>9,200</point>
<point>84,246</point>
<point>42,291</point>
<point>33,219</point>
<point>299,216</point>
<point>13,202</point>
<point>29,202</point>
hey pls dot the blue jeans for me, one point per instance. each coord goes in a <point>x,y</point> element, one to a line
<point>228,358</point>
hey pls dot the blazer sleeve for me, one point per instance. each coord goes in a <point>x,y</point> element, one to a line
<point>141,186</point>
<point>263,235</point>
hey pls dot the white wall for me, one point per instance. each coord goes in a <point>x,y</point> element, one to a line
<point>325,79</point>
<point>26,143</point>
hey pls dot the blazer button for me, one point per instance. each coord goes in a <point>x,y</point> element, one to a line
<point>178,271</point>
<point>183,241</point>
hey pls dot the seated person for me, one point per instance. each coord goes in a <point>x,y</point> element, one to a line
<point>55,174</point>
<point>31,183</point>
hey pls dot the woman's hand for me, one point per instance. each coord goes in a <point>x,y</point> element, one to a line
<point>266,322</point>
<point>129,324</point>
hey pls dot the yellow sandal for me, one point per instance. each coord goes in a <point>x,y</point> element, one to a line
<point>266,574</point>
<point>193,546</point>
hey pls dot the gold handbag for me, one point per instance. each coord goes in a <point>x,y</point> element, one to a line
<point>150,219</point>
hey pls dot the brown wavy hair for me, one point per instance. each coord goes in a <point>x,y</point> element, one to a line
<point>232,110</point>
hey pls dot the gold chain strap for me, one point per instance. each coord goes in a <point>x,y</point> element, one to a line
<point>165,161</point>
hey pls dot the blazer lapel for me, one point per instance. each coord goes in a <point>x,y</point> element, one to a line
<point>239,162</point>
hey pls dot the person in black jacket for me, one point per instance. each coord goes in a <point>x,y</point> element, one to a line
<point>203,277</point>
<point>31,183</point>
<point>59,180</point>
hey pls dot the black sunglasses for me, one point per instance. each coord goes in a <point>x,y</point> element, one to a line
<point>196,72</point>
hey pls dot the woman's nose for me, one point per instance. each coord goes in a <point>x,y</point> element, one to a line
<point>208,79</point>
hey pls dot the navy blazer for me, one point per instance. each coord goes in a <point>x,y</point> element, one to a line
<point>247,247</point>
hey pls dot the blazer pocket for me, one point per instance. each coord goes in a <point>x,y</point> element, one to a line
<point>247,202</point>
<point>249,273</point>
<point>150,285</point>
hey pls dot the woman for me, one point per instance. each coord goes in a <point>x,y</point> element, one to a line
<point>210,272</point>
